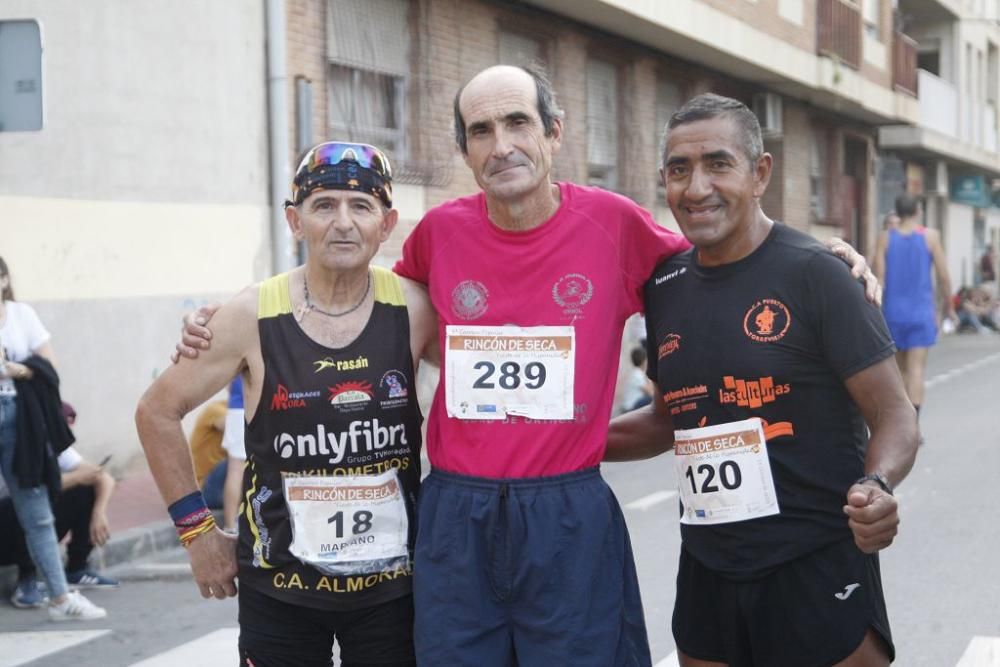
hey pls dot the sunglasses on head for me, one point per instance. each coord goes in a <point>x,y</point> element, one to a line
<point>335,152</point>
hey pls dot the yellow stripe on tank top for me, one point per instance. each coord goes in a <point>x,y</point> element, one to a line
<point>388,288</point>
<point>273,299</point>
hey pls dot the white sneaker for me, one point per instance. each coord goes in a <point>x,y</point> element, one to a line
<point>76,608</point>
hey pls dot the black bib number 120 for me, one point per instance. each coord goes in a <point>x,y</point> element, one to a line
<point>728,473</point>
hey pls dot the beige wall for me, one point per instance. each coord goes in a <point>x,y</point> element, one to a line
<point>145,193</point>
<point>154,100</point>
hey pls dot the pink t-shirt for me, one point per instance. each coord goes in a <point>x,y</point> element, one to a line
<point>584,267</point>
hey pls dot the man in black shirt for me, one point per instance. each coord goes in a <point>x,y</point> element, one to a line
<point>768,362</point>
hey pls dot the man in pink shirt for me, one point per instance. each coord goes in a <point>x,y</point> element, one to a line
<point>522,553</point>
<point>523,556</point>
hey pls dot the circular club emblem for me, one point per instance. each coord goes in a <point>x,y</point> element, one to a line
<point>468,299</point>
<point>767,321</point>
<point>573,291</point>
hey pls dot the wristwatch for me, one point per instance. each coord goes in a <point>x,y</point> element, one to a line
<point>878,478</point>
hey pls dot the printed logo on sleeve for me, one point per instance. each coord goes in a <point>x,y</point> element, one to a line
<point>671,343</point>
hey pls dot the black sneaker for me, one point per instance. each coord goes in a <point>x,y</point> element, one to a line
<point>89,579</point>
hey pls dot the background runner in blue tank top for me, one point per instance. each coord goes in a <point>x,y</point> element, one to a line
<point>904,259</point>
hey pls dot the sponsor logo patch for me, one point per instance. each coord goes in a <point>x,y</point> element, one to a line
<point>751,393</point>
<point>572,292</point>
<point>351,396</point>
<point>341,364</point>
<point>670,276</point>
<point>469,299</point>
<point>767,321</point>
<point>288,400</point>
<point>393,389</point>
<point>671,343</point>
<point>359,437</point>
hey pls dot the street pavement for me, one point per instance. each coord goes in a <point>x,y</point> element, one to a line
<point>941,577</point>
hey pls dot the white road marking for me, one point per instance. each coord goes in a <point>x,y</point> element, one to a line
<point>669,661</point>
<point>215,648</point>
<point>981,652</point>
<point>652,499</point>
<point>961,370</point>
<point>17,648</point>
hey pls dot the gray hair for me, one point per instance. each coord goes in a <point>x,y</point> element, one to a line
<point>710,105</point>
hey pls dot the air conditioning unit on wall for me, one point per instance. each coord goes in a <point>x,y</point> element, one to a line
<point>767,108</point>
<point>936,182</point>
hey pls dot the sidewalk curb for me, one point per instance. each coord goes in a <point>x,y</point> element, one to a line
<point>121,548</point>
<point>135,543</point>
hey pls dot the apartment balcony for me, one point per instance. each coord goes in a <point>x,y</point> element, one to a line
<point>904,63</point>
<point>838,31</point>
<point>825,73</point>
<point>930,11</point>
<point>938,104</point>
<point>961,131</point>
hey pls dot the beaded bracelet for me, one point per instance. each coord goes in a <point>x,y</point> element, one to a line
<point>191,517</point>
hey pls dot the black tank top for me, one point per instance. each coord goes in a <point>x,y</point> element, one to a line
<point>313,399</point>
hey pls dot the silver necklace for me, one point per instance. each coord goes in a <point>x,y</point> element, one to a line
<point>311,306</point>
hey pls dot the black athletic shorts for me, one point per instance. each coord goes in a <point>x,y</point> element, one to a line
<point>278,634</point>
<point>811,612</point>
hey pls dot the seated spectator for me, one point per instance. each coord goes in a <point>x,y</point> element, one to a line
<point>976,310</point>
<point>81,511</point>
<point>207,452</point>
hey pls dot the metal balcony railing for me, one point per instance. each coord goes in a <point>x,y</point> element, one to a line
<point>904,63</point>
<point>838,31</point>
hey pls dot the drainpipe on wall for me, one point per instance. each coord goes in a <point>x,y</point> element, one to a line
<point>277,98</point>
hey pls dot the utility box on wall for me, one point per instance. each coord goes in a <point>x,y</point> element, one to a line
<point>20,76</point>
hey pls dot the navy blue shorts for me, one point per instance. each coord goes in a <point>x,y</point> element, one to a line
<point>919,333</point>
<point>810,612</point>
<point>535,571</point>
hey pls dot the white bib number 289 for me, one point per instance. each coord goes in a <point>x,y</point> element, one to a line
<point>493,372</point>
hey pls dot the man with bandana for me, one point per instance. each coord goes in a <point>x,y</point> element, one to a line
<point>328,353</point>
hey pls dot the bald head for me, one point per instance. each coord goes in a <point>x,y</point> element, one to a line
<point>508,79</point>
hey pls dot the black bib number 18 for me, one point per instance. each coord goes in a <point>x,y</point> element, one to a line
<point>728,473</point>
<point>362,522</point>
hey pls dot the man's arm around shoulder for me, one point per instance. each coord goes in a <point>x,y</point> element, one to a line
<point>423,322</point>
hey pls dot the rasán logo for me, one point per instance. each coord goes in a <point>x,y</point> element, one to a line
<point>670,344</point>
<point>341,364</point>
<point>767,321</point>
